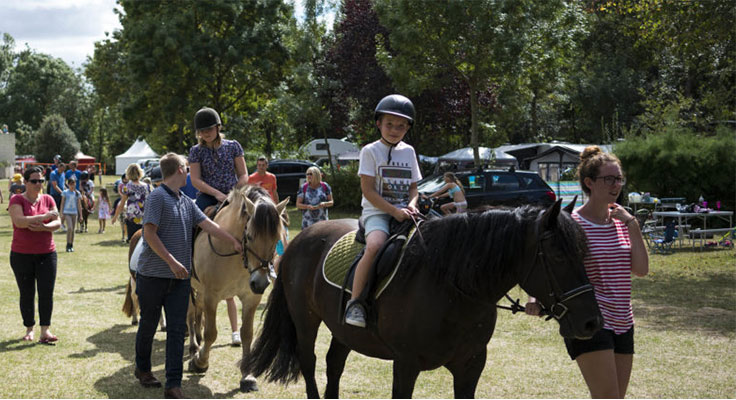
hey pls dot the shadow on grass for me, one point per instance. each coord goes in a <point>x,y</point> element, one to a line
<point>15,345</point>
<point>112,243</point>
<point>687,301</point>
<point>122,384</point>
<point>119,288</point>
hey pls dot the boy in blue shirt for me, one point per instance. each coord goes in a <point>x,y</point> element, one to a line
<point>389,173</point>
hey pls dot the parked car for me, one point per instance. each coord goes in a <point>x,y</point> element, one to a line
<point>290,176</point>
<point>495,187</point>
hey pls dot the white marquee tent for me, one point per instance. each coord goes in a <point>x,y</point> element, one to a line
<point>140,149</point>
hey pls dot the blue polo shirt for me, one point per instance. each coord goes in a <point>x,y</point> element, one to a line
<point>59,178</point>
<point>175,215</point>
<point>77,175</point>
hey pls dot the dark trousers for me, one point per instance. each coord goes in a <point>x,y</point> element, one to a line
<point>205,200</point>
<point>57,199</point>
<point>132,227</point>
<point>31,271</point>
<point>173,296</point>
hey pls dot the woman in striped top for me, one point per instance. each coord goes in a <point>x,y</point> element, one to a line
<point>616,249</point>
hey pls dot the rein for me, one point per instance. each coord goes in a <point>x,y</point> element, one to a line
<point>264,263</point>
<point>559,308</point>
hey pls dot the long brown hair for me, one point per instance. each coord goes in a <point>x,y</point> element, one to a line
<point>454,179</point>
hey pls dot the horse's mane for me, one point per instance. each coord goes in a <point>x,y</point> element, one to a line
<point>266,220</point>
<point>476,249</point>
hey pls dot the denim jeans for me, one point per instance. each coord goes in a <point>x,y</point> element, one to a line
<point>173,295</point>
<point>205,200</point>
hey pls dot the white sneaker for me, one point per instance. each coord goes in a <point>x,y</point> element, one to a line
<point>62,229</point>
<point>355,314</point>
<point>236,339</point>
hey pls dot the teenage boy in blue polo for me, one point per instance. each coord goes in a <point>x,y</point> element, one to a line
<point>164,268</point>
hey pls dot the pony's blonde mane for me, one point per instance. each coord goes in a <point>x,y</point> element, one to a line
<point>265,220</point>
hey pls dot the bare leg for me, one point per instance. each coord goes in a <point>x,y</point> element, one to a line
<point>374,241</point>
<point>623,371</point>
<point>232,313</point>
<point>600,374</point>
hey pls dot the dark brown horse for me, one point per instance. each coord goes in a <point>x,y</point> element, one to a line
<point>440,309</point>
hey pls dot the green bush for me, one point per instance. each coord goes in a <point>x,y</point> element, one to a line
<point>677,162</point>
<point>345,185</point>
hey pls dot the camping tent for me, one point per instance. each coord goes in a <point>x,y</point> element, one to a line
<point>463,158</point>
<point>139,149</point>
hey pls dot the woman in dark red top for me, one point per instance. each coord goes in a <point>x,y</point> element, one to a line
<point>33,252</point>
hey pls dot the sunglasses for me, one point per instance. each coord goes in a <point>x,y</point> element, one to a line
<point>309,174</point>
<point>36,181</point>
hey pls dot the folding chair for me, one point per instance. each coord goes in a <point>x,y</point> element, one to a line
<point>662,244</point>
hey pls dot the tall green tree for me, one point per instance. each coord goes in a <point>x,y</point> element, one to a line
<point>180,56</point>
<point>54,129</point>
<point>37,85</point>
<point>482,41</point>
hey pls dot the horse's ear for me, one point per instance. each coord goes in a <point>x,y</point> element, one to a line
<point>282,206</point>
<point>549,219</point>
<point>568,208</point>
<point>250,207</point>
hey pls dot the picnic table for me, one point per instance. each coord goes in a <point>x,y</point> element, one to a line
<point>700,233</point>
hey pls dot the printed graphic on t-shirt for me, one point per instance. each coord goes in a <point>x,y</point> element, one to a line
<point>395,182</point>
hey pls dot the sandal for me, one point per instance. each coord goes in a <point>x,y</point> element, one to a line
<point>28,337</point>
<point>48,339</point>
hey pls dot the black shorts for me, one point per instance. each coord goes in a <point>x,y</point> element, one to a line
<point>603,340</point>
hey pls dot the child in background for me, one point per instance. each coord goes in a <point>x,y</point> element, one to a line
<point>71,207</point>
<point>103,212</point>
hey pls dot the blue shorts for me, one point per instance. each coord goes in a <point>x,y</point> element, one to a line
<point>604,339</point>
<point>376,222</point>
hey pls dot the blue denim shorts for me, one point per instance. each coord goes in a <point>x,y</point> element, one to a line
<point>376,222</point>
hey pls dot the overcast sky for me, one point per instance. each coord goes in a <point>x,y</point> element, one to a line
<point>67,29</point>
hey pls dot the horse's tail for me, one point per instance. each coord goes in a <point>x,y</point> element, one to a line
<point>128,308</point>
<point>275,350</point>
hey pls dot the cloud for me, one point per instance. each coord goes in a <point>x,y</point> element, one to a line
<point>61,28</point>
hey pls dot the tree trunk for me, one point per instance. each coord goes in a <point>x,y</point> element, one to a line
<point>474,123</point>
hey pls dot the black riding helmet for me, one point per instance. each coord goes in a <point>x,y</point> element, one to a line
<point>155,174</point>
<point>205,118</point>
<point>396,104</point>
<point>84,175</point>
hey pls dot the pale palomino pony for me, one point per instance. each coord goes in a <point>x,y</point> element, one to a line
<point>250,215</point>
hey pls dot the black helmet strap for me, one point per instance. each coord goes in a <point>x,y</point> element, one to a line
<point>390,147</point>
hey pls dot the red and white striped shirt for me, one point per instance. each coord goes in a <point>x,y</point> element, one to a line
<point>608,265</point>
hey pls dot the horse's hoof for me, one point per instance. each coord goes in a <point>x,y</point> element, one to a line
<point>247,386</point>
<point>193,367</point>
<point>134,323</point>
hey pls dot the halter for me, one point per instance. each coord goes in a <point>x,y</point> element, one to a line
<point>558,309</point>
<point>244,242</point>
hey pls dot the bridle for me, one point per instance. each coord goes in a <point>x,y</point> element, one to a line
<point>559,308</point>
<point>264,264</point>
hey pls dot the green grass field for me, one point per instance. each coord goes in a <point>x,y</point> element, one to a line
<point>685,313</point>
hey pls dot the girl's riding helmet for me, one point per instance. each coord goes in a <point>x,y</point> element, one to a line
<point>396,104</point>
<point>206,118</point>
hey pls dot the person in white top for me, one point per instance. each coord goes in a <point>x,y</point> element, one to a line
<point>616,249</point>
<point>389,173</point>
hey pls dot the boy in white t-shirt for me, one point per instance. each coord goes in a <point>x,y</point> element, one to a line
<point>389,173</point>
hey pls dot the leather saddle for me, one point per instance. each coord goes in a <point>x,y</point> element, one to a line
<point>342,259</point>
